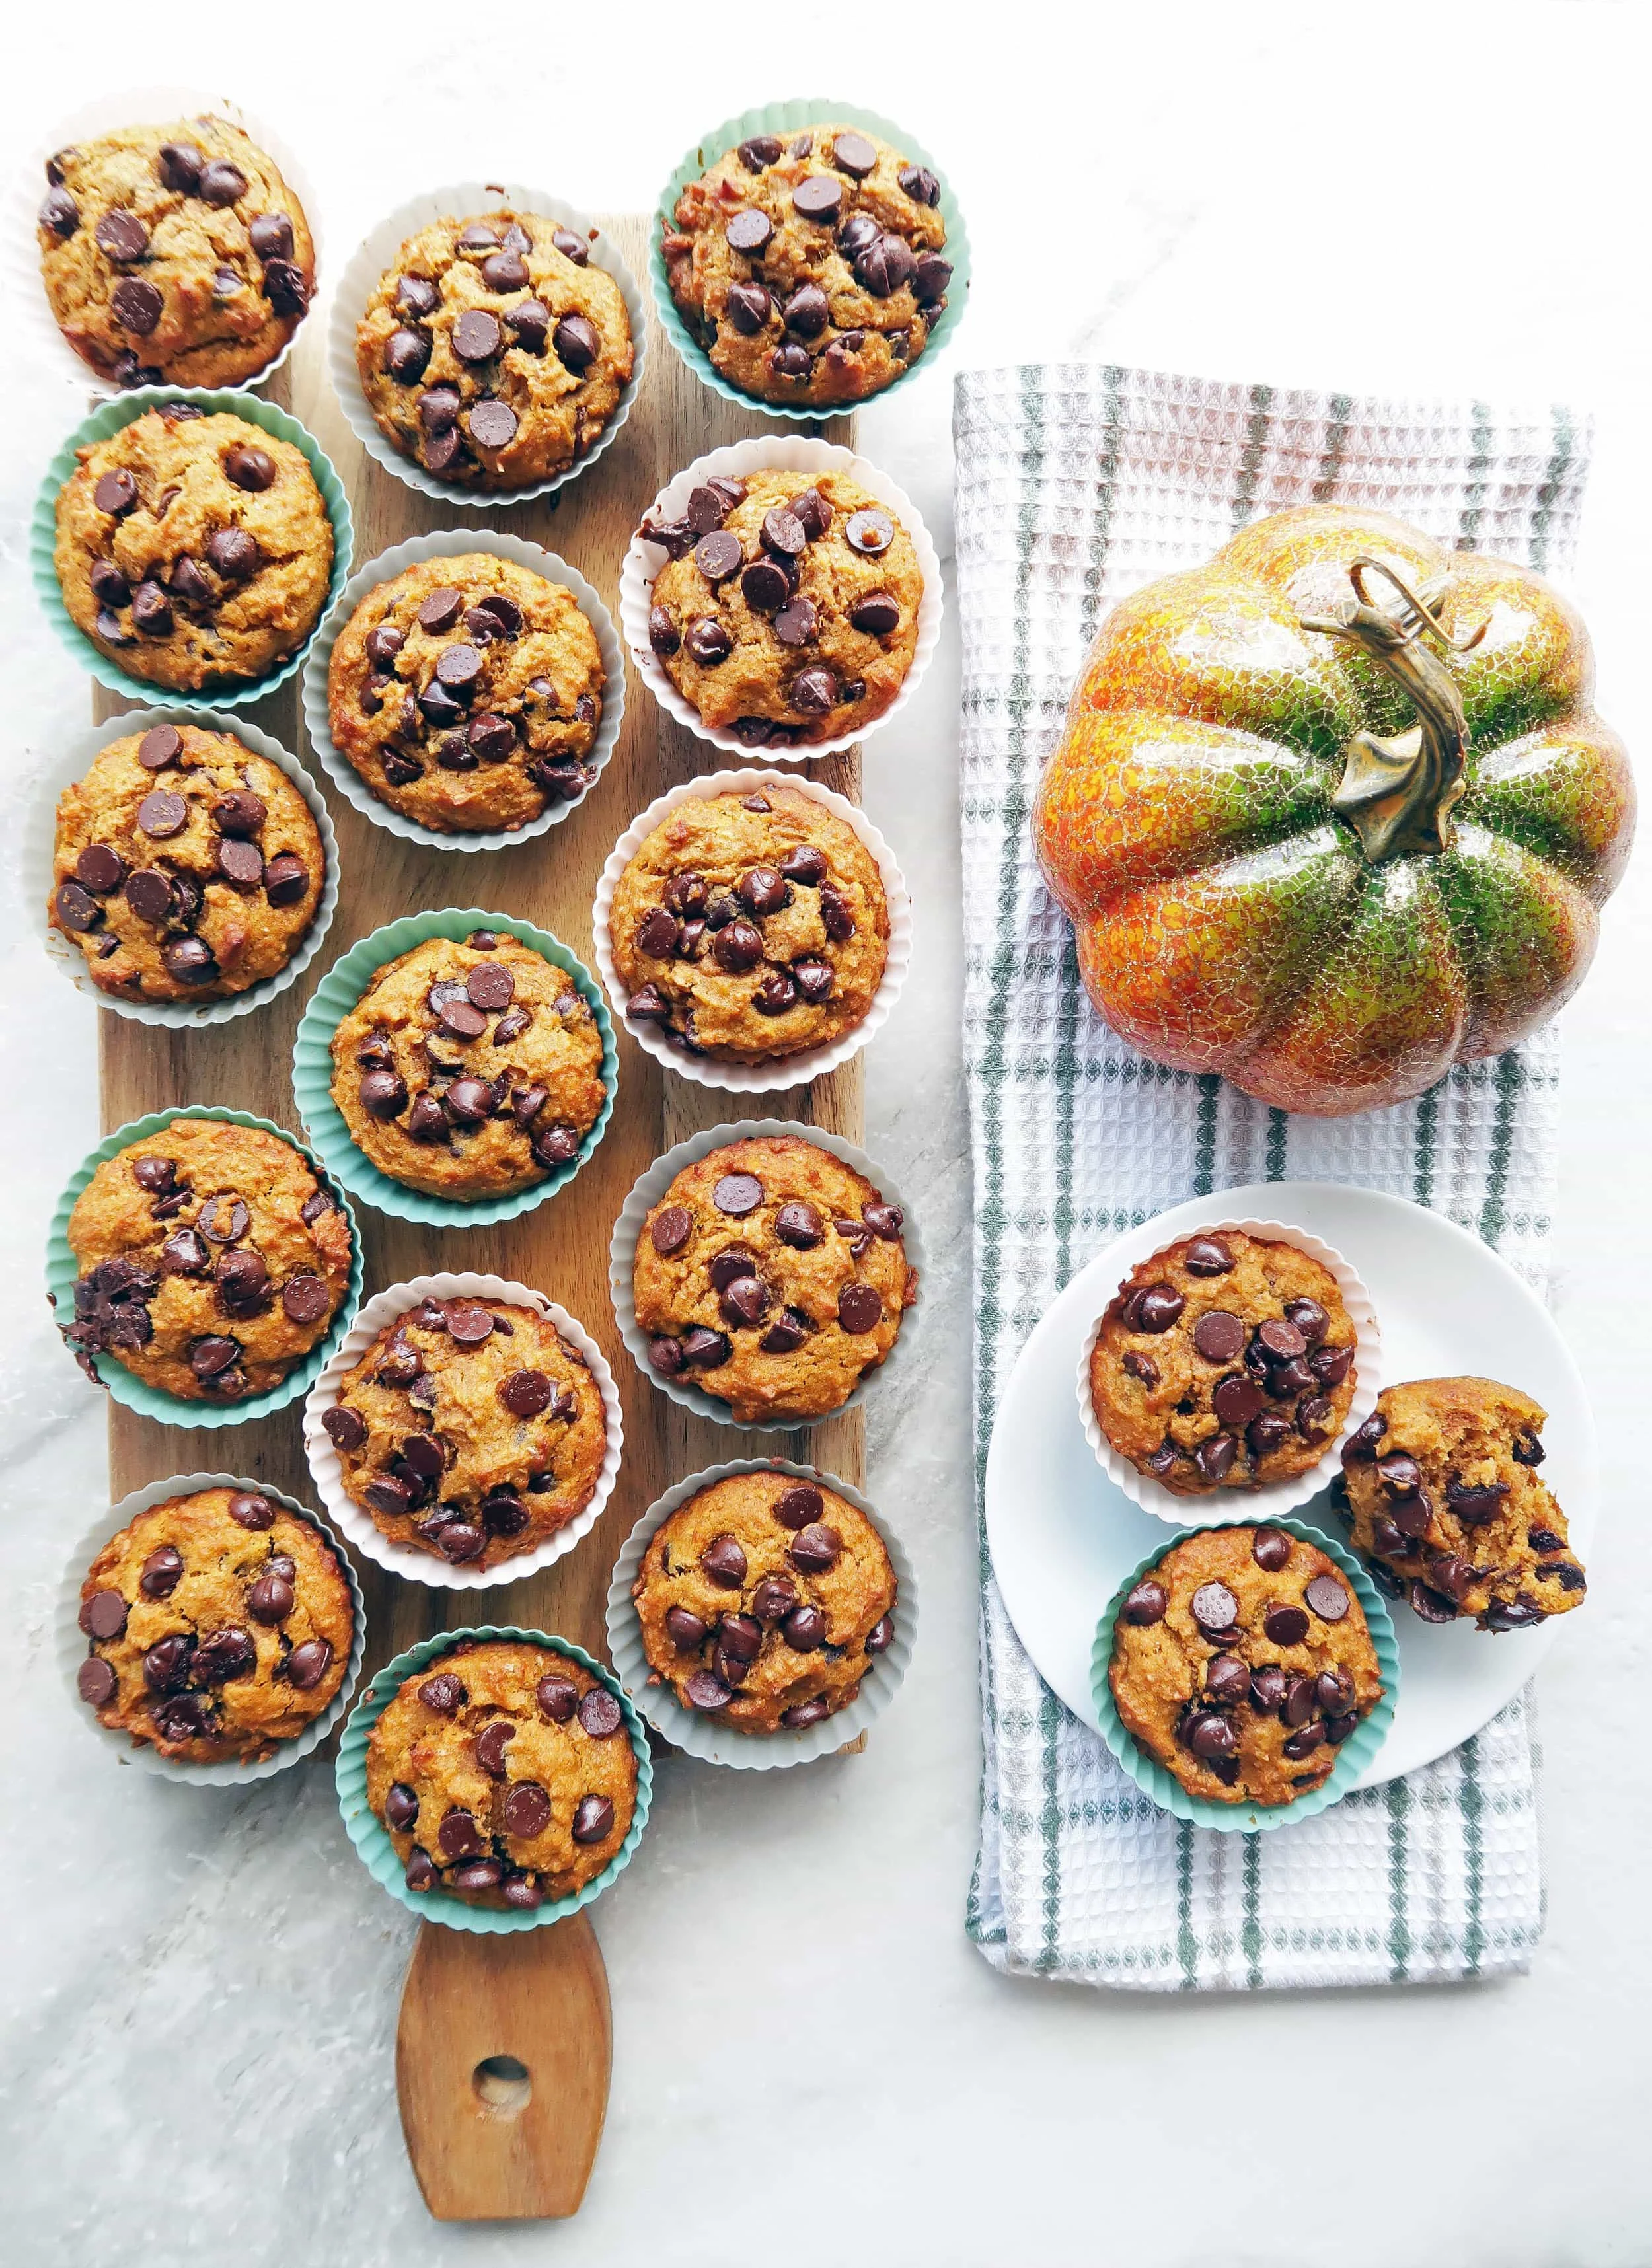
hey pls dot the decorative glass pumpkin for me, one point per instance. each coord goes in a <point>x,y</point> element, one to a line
<point>1333,811</point>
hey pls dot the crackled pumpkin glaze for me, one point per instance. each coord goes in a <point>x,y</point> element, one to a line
<point>1230,917</point>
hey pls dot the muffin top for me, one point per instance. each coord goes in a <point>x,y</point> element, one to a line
<point>174,255</point>
<point>764,1600</point>
<point>493,351</point>
<point>504,1774</point>
<point>1449,1510</point>
<point>185,867</point>
<point>469,1070</point>
<point>217,1624</point>
<point>211,1260</point>
<point>809,265</point>
<point>195,551</point>
<point>787,610</point>
<point>751,925</point>
<point>1225,1361</point>
<point>773,1276</point>
<point>1242,1661</point>
<point>471,1429</point>
<point>467,692</point>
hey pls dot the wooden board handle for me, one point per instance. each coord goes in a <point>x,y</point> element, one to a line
<point>503,2055</point>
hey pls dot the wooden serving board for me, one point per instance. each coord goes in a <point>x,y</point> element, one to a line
<point>561,1247</point>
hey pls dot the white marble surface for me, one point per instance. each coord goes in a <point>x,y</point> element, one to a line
<point>199,1992</point>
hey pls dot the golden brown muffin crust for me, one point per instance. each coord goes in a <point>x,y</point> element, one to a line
<point>184,866</point>
<point>809,266</point>
<point>1447,1509</point>
<point>467,693</point>
<point>786,611</point>
<point>470,1429</point>
<point>764,1600</point>
<point>174,254</point>
<point>217,1624</point>
<point>194,551</point>
<point>751,925</point>
<point>504,1774</point>
<point>211,1260</point>
<point>1242,1660</point>
<point>1226,1361</point>
<point>493,349</point>
<point>469,1070</point>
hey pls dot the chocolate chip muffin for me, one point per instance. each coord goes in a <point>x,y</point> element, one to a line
<point>492,350</point>
<point>504,1774</point>
<point>1242,1661</point>
<point>211,1260</point>
<point>469,1070</point>
<point>810,267</point>
<point>470,1429</point>
<point>217,1625</point>
<point>175,254</point>
<point>773,1277</point>
<point>751,925</point>
<point>764,1601</point>
<point>1226,1361</point>
<point>1447,1508</point>
<point>467,693</point>
<point>787,610</point>
<point>186,867</point>
<point>193,551</point>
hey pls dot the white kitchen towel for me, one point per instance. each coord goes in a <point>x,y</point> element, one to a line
<point>1076,484</point>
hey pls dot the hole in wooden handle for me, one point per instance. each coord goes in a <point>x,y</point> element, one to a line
<point>503,2086</point>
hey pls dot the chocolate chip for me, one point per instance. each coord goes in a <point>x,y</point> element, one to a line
<point>592,1819</point>
<point>1526,1449</point>
<point>718,556</point>
<point>60,213</point>
<point>1313,1417</point>
<point>1281,1341</point>
<point>759,151</point>
<point>1304,1743</point>
<point>703,1350</point>
<point>103,1616</point>
<point>249,469</point>
<point>240,862</point>
<point>400,1807</point>
<point>749,232</point>
<point>1153,1307</point>
<point>306,1299</point>
<point>120,236</point>
<point>600,1713</point>
<point>79,912</point>
<point>1361,1446</point>
<point>1286,1625</point>
<point>1401,1475</point>
<point>1268,1688</point>
<point>528,1813</point>
<point>95,1681</point>
<point>1430,1605</point>
<point>1219,1337</point>
<point>383,1093</point>
<point>724,1562</point>
<point>816,1548</point>
<point>708,642</point>
<point>270,1599</point>
<point>860,1308</point>
<point>151,610</point>
<point>469,1323</point>
<point>221,183</point>
<point>577,342</point>
<point>734,1262</point>
<point>1214,1457</point>
<point>1475,1504</point>
<point>111,588</point>
<point>813,692</point>
<point>1227,1680</point>
<point>853,154</point>
<point>1215,1608</point>
<point>1208,1734</point>
<point>137,306</point>
<point>818,197</point>
<point>1236,1401</point>
<point>505,271</point>
<point>1331,1365</point>
<point>1328,1597</point>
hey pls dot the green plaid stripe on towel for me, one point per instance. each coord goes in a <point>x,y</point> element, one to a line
<point>1074,485</point>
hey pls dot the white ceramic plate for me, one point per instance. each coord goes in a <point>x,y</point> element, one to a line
<point>1063,1537</point>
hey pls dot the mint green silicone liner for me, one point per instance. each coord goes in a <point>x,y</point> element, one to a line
<point>785,118</point>
<point>108,418</point>
<point>1355,1753</point>
<point>332,1001</point>
<point>134,1393</point>
<point>373,1845</point>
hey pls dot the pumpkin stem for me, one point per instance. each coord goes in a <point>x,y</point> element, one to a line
<point>1399,794</point>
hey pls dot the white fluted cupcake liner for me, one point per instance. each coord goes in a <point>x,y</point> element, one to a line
<point>699,1734</point>
<point>1221,1508</point>
<point>20,262</point>
<point>358,1525</point>
<point>774,1073</point>
<point>462,201</point>
<point>789,453</point>
<point>70,763</point>
<point>452,543</point>
<point>653,1185</point>
<point>70,1641</point>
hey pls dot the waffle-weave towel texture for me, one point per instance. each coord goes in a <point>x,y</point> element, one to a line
<point>1075,485</point>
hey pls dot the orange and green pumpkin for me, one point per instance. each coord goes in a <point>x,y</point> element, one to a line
<point>1333,811</point>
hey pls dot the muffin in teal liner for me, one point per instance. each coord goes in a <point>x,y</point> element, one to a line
<point>339,993</point>
<point>63,1273</point>
<point>378,1853</point>
<point>1355,1754</point>
<point>108,418</point>
<point>783,121</point>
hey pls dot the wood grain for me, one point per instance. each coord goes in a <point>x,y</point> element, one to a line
<point>480,2151</point>
<point>562,1247</point>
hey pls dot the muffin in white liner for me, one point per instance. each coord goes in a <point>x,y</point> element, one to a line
<point>1221,1507</point>
<point>463,200</point>
<point>20,261</point>
<point>70,763</point>
<point>774,1073</point>
<point>703,1736</point>
<point>452,544</point>
<point>651,1186</point>
<point>359,1527</point>
<point>70,1639</point>
<point>772,453</point>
